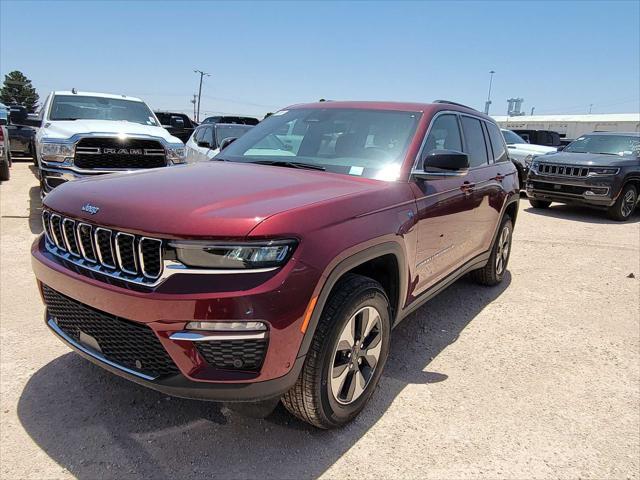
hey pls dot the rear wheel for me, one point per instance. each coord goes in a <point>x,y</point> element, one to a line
<point>539,203</point>
<point>346,357</point>
<point>493,272</point>
<point>625,204</point>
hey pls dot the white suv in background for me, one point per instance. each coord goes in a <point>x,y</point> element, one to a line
<point>84,133</point>
<point>206,139</point>
<point>522,153</point>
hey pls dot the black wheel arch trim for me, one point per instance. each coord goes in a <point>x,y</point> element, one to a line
<point>348,264</point>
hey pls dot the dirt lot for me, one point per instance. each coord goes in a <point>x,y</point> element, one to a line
<point>538,377</point>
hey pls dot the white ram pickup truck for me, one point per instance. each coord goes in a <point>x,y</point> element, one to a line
<point>522,153</point>
<point>84,133</point>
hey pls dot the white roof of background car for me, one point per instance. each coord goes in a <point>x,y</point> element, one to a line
<point>97,94</point>
<point>593,117</point>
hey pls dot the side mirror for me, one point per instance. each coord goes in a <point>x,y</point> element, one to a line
<point>442,161</point>
<point>226,142</point>
<point>561,147</point>
<point>3,121</point>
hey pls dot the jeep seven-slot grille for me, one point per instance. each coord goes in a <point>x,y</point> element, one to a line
<point>114,153</point>
<point>562,170</point>
<point>117,254</point>
<point>127,343</point>
<point>233,354</point>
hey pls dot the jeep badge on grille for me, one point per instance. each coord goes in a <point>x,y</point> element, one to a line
<point>90,209</point>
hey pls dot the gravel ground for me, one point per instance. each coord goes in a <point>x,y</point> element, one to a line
<point>536,378</point>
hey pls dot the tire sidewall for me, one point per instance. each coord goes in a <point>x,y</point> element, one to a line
<point>334,412</point>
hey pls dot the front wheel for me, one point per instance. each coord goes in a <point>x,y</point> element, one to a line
<point>493,272</point>
<point>346,357</point>
<point>625,204</point>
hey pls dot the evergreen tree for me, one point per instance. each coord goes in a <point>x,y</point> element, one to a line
<point>17,89</point>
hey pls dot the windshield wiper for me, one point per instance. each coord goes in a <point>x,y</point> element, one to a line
<point>284,163</point>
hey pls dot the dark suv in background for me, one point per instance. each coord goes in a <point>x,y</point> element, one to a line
<point>177,124</point>
<point>600,170</point>
<point>278,271</point>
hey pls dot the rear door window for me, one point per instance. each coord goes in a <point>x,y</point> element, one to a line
<point>474,141</point>
<point>497,143</point>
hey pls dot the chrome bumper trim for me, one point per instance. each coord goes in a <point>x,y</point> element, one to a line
<point>199,337</point>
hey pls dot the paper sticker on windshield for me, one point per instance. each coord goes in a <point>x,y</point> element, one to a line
<point>281,112</point>
<point>356,170</point>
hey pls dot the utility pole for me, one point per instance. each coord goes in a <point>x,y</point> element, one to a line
<point>488,102</point>
<point>202,74</point>
<point>195,96</point>
<point>590,107</point>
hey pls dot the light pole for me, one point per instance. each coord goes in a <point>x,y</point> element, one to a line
<point>488,102</point>
<point>202,74</point>
<point>194,101</point>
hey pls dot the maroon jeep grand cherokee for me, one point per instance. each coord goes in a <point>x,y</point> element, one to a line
<point>279,269</point>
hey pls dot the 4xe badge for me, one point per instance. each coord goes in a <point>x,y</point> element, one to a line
<point>90,209</point>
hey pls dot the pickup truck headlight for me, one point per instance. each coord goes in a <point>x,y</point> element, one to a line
<point>603,171</point>
<point>57,152</point>
<point>527,161</point>
<point>177,154</point>
<point>234,256</point>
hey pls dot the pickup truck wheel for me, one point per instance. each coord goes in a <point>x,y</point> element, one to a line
<point>625,204</point>
<point>493,272</point>
<point>4,172</point>
<point>539,203</point>
<point>346,357</point>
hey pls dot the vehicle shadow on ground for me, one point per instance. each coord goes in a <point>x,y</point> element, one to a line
<point>97,425</point>
<point>35,210</point>
<point>577,213</point>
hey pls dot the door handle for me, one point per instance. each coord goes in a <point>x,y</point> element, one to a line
<point>467,188</point>
<point>499,177</point>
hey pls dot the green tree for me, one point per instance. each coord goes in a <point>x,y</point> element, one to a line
<point>17,89</point>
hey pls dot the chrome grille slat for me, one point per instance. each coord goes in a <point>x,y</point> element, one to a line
<point>86,242</point>
<point>126,252</point>
<point>56,231</point>
<point>69,234</point>
<point>120,255</point>
<point>562,170</point>
<point>105,255</point>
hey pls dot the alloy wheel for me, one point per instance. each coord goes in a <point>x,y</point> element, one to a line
<point>504,244</point>
<point>628,203</point>
<point>356,355</point>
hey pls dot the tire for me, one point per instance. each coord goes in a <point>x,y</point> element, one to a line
<point>493,272</point>
<point>4,171</point>
<point>312,398</point>
<point>539,203</point>
<point>622,210</point>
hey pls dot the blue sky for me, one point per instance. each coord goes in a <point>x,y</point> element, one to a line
<point>559,56</point>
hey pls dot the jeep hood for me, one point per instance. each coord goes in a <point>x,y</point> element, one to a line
<point>595,159</point>
<point>64,129</point>
<point>208,199</point>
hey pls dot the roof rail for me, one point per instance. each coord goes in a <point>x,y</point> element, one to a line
<point>449,102</point>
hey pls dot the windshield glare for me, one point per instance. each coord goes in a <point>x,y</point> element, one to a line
<point>230,131</point>
<point>512,138</point>
<point>623,145</point>
<point>78,107</point>
<point>367,143</point>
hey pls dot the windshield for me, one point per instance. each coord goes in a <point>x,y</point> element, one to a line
<point>512,138</point>
<point>78,107</point>
<point>230,131</point>
<point>606,144</point>
<point>367,143</point>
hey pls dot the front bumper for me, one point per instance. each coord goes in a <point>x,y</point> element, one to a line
<point>594,191</point>
<point>280,302</point>
<point>53,176</point>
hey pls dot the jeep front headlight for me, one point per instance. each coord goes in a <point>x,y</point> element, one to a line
<point>176,154</point>
<point>234,256</point>
<point>57,152</point>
